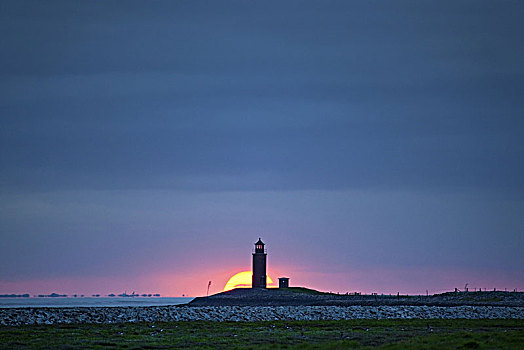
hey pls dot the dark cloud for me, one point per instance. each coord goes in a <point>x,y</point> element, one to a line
<point>331,96</point>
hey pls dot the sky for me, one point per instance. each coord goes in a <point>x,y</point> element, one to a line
<point>373,146</point>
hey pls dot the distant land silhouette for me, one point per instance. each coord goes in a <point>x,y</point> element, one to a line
<point>14,295</point>
<point>58,295</point>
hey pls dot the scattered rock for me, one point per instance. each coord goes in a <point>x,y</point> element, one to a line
<point>248,313</point>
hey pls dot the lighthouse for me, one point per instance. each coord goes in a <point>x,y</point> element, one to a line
<point>259,265</point>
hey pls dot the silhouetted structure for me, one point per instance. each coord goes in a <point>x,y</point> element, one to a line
<point>283,282</point>
<point>259,266</point>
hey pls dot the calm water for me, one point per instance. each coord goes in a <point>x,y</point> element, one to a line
<point>74,302</point>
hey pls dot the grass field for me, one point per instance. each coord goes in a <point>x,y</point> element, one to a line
<point>351,334</point>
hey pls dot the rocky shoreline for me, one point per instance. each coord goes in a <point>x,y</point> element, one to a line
<point>286,304</point>
<point>32,316</point>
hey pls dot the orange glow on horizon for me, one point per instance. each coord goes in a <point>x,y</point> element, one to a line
<point>242,280</point>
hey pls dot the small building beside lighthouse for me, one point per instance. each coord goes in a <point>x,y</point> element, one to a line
<point>259,266</point>
<point>283,282</point>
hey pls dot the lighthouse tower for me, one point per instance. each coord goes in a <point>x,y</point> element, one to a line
<point>259,265</point>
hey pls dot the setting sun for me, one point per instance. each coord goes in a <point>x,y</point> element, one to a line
<point>242,280</point>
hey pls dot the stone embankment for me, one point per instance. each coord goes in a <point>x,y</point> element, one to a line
<point>248,313</point>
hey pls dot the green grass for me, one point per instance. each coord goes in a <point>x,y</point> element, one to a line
<point>483,300</point>
<point>304,290</point>
<point>350,334</point>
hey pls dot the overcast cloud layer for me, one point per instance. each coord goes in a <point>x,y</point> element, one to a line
<point>349,135</point>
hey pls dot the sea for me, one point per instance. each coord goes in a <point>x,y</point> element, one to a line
<point>92,301</point>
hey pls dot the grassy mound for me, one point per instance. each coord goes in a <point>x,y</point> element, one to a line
<point>304,290</point>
